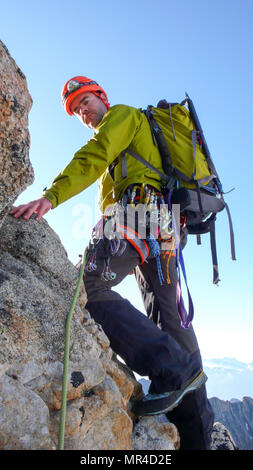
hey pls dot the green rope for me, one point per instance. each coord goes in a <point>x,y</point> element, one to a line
<point>66,358</point>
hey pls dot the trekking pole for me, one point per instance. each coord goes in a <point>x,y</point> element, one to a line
<point>66,357</point>
<point>206,151</point>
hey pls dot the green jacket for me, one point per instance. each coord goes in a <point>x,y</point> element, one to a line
<point>121,127</point>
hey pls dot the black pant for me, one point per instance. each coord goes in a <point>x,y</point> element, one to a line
<point>160,349</point>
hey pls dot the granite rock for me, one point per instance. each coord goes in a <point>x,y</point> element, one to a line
<point>16,171</point>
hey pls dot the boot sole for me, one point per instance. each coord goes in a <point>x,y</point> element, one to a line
<point>194,385</point>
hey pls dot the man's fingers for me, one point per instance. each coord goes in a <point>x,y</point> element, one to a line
<point>16,209</point>
<point>20,210</point>
<point>39,207</point>
<point>30,211</point>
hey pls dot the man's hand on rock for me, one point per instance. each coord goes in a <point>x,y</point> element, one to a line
<point>40,207</point>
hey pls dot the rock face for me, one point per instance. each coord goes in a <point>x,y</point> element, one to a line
<point>150,431</point>
<point>37,285</point>
<point>221,438</point>
<point>16,171</point>
<point>238,418</point>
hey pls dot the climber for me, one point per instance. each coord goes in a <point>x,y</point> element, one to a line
<point>155,345</point>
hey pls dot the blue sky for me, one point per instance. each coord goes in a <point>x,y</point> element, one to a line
<point>141,51</point>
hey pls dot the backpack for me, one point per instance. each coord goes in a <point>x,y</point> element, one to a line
<point>190,178</point>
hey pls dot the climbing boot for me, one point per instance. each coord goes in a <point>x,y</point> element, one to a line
<point>155,404</point>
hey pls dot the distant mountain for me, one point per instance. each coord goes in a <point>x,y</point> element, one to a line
<point>228,378</point>
<point>237,416</point>
<point>232,382</point>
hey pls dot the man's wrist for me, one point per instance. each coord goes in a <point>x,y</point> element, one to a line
<point>50,197</point>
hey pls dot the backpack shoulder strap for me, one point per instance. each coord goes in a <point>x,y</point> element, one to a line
<point>168,176</point>
<point>140,159</point>
<point>160,141</point>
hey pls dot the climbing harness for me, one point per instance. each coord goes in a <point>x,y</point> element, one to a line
<point>66,356</point>
<point>145,233</point>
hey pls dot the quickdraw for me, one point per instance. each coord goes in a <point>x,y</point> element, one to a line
<point>91,260</point>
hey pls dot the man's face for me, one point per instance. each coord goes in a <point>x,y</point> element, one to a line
<point>89,109</point>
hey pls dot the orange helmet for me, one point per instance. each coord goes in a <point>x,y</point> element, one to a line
<point>77,85</point>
